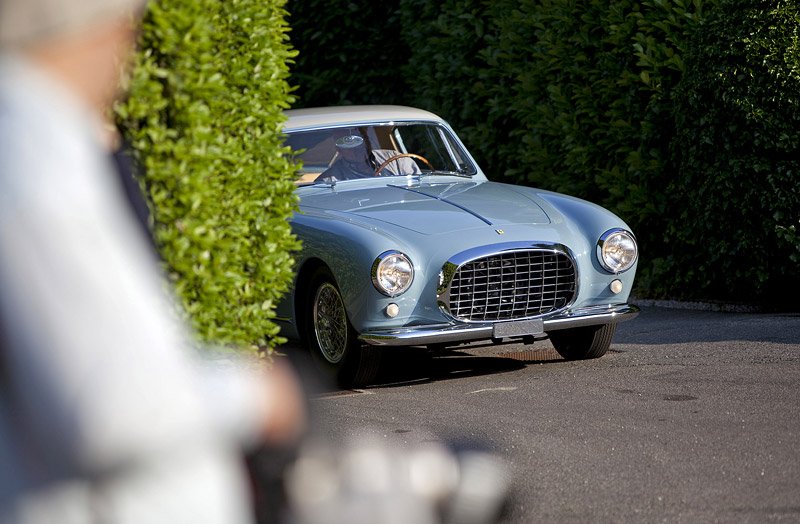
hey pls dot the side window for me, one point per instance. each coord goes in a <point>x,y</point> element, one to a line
<point>315,150</point>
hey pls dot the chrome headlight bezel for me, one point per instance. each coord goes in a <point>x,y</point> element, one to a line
<point>617,250</point>
<point>392,273</point>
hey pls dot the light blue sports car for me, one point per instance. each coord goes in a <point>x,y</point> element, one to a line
<point>407,243</point>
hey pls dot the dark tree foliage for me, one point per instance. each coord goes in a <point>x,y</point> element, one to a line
<point>450,76</point>
<point>737,194</point>
<point>349,52</point>
<point>678,115</point>
<point>587,90</point>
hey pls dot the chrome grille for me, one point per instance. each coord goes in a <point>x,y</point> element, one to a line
<point>512,285</point>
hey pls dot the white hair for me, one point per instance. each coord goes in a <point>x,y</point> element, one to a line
<point>28,21</point>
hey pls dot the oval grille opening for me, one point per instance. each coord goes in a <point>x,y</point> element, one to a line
<point>512,285</point>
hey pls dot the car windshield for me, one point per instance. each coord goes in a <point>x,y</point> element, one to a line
<point>397,149</point>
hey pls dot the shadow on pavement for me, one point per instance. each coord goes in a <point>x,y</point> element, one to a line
<point>403,366</point>
<point>660,326</point>
<point>414,365</point>
<point>655,326</point>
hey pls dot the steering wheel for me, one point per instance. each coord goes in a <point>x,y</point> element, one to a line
<point>398,156</point>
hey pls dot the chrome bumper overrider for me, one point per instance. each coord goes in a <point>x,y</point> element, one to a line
<point>462,332</point>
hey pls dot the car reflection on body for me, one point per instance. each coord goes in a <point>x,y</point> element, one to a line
<point>407,243</point>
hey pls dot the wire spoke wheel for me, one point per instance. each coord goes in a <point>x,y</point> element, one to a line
<point>330,338</point>
<point>330,323</point>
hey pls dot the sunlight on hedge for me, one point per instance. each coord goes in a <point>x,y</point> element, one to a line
<point>204,118</point>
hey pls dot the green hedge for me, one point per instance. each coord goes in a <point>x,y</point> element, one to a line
<point>617,101</point>
<point>204,118</point>
<point>588,88</point>
<point>737,194</point>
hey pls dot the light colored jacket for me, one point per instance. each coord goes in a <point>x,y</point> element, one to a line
<point>106,413</point>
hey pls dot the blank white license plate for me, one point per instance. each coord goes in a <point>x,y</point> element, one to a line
<point>518,329</point>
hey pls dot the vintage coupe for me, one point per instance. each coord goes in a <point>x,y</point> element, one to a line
<point>407,243</point>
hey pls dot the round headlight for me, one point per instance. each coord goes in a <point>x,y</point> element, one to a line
<point>392,273</point>
<point>617,250</point>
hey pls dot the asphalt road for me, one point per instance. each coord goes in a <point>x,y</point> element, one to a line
<point>691,417</point>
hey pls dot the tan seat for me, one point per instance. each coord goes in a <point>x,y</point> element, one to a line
<point>306,178</point>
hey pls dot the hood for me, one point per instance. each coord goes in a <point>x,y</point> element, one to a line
<point>432,208</point>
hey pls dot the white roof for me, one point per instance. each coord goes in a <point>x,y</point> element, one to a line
<point>346,115</point>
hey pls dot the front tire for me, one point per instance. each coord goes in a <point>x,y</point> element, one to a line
<point>332,341</point>
<point>583,343</point>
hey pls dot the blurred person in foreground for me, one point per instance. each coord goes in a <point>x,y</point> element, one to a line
<point>106,413</point>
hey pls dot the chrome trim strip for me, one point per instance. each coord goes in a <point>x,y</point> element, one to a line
<point>358,123</point>
<point>464,332</point>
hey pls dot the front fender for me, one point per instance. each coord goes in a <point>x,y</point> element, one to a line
<point>588,222</point>
<point>349,246</point>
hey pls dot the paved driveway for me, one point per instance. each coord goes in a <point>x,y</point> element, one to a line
<point>691,417</point>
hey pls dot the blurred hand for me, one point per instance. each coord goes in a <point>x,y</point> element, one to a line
<point>287,416</point>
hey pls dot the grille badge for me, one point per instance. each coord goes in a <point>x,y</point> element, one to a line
<point>499,231</point>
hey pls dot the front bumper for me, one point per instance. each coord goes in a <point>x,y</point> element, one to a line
<point>467,332</point>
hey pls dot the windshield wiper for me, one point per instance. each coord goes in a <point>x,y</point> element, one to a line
<point>460,173</point>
